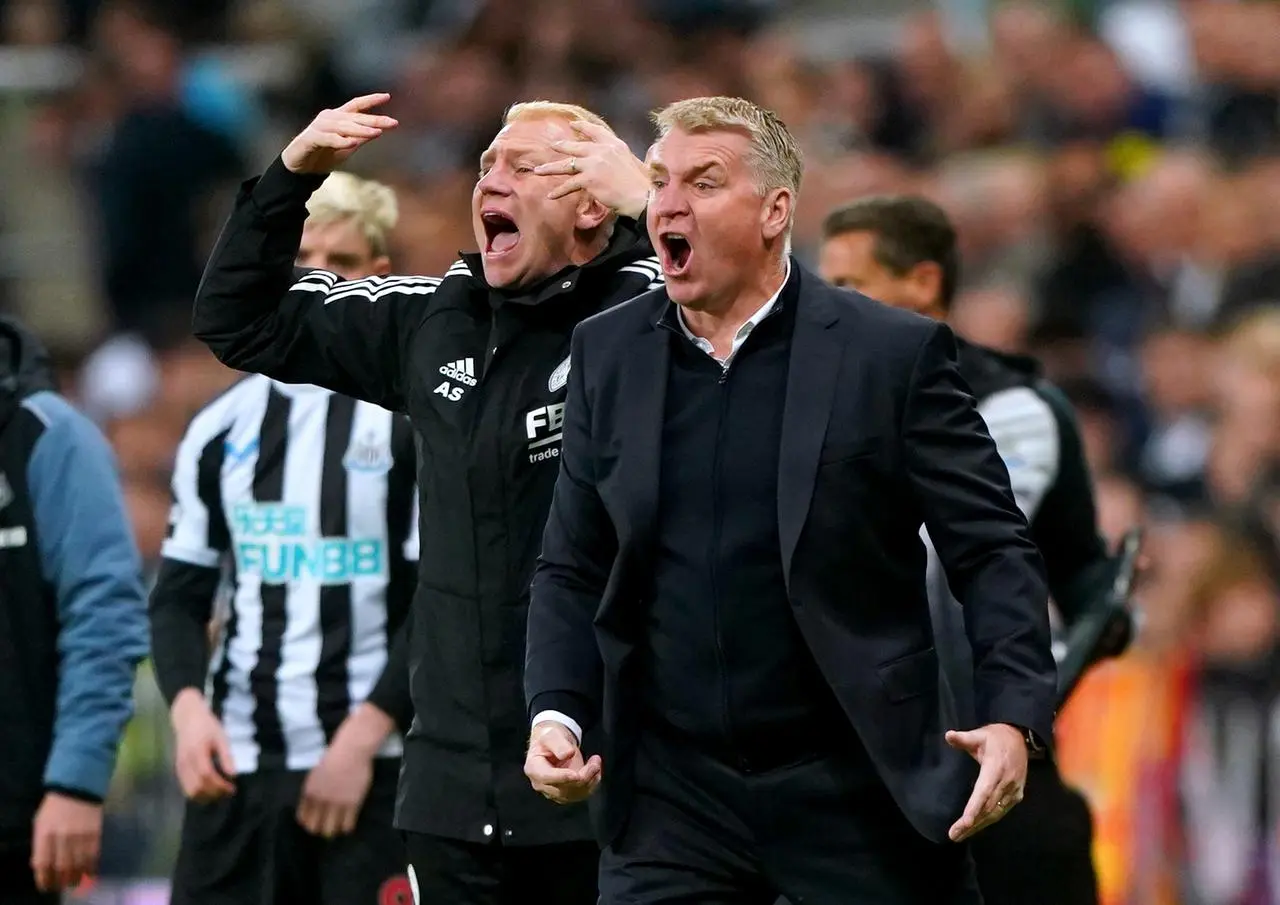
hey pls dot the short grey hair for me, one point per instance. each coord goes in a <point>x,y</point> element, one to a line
<point>775,160</point>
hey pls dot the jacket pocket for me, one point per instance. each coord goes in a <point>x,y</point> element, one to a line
<point>909,676</point>
<point>837,452</point>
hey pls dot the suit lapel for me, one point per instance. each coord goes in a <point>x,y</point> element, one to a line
<point>643,393</point>
<point>811,383</point>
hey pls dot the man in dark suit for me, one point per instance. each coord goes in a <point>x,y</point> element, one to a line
<point>732,582</point>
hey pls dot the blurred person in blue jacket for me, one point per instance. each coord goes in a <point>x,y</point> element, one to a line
<point>73,628</point>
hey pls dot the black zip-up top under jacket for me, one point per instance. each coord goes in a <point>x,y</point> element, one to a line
<point>482,374</point>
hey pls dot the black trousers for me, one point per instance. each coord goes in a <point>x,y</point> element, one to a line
<point>472,873</point>
<point>821,832</point>
<point>18,883</point>
<point>1042,852</point>
<point>250,850</point>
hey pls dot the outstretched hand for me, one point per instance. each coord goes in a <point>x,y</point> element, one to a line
<point>334,135</point>
<point>1001,753</point>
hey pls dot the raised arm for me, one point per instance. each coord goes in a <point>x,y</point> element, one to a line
<point>259,313</point>
<point>981,537</point>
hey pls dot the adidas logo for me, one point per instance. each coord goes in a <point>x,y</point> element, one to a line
<point>463,370</point>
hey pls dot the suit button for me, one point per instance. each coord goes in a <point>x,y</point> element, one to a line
<point>488,829</point>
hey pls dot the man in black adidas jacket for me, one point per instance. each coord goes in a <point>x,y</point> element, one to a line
<point>902,251</point>
<point>478,359</point>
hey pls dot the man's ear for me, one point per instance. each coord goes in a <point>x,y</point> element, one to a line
<point>591,214</point>
<point>381,266</point>
<point>775,213</point>
<point>926,284</point>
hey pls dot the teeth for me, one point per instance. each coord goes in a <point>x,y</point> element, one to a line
<point>679,236</point>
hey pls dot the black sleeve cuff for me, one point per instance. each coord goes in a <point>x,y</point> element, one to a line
<point>280,192</point>
<point>392,693</point>
<point>180,609</point>
<point>571,705</point>
<point>77,794</point>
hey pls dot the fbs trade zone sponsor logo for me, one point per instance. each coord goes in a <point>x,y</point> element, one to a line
<point>543,428</point>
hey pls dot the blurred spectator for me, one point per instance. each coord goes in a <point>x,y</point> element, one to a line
<point>119,379</point>
<point>147,165</point>
<point>1177,392</point>
<point>995,317</point>
<point>1228,804</point>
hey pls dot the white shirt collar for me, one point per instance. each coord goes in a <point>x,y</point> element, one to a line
<point>744,331</point>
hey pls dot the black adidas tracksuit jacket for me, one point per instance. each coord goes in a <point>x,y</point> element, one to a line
<point>481,374</point>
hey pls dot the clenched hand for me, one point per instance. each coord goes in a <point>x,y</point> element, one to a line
<point>555,766</point>
<point>334,135</point>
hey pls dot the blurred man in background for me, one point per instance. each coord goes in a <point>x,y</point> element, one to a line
<point>290,762</point>
<point>479,360</point>
<point>901,250</point>
<point>72,628</point>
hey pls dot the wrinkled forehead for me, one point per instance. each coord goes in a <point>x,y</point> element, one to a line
<point>679,151</point>
<point>527,136</point>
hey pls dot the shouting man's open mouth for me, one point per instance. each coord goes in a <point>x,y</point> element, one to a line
<point>675,251</point>
<point>500,232</point>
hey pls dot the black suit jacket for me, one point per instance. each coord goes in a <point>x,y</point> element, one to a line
<point>880,434</point>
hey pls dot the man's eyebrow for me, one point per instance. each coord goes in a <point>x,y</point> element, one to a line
<point>656,168</point>
<point>512,150</point>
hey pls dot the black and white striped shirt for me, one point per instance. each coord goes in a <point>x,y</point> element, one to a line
<point>308,498</point>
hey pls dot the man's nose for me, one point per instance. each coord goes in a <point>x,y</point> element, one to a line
<point>668,201</point>
<point>494,182</point>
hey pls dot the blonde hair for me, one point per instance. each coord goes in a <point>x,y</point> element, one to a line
<point>775,160</point>
<point>370,205</point>
<point>526,110</point>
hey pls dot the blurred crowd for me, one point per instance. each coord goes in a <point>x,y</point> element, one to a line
<point>1114,170</point>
